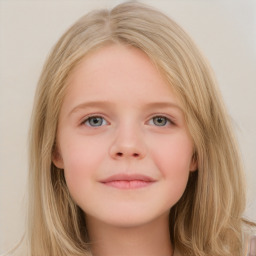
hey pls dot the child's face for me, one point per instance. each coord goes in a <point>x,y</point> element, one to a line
<point>122,139</point>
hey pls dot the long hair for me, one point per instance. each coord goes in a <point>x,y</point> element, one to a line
<point>207,219</point>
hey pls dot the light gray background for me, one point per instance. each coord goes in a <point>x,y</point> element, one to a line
<point>224,30</point>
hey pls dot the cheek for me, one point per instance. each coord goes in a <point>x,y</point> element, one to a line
<point>81,160</point>
<point>173,151</point>
<point>173,157</point>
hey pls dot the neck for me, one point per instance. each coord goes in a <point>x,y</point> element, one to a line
<point>150,239</point>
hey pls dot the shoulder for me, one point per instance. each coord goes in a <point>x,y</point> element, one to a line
<point>251,244</point>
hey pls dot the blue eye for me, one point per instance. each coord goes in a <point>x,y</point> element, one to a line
<point>160,121</point>
<point>95,121</point>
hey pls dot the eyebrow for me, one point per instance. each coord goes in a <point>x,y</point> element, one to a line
<point>88,104</point>
<point>164,104</point>
<point>109,104</point>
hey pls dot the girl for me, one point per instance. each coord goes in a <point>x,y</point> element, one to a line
<point>131,149</point>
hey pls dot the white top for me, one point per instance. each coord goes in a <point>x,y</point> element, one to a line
<point>251,247</point>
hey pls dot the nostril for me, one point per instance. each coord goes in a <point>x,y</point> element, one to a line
<point>121,154</point>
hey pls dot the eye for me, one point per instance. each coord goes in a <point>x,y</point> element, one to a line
<point>160,121</point>
<point>95,121</point>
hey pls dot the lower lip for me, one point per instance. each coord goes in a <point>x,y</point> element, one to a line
<point>128,184</point>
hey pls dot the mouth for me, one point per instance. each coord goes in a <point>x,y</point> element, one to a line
<point>125,181</point>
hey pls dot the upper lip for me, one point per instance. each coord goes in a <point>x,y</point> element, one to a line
<point>128,177</point>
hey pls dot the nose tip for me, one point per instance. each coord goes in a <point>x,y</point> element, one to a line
<point>133,149</point>
<point>128,142</point>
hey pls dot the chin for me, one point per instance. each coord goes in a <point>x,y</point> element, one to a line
<point>132,219</point>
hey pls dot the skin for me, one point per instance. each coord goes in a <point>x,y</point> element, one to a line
<point>138,128</point>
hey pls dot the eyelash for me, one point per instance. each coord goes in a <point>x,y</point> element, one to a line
<point>167,120</point>
<point>88,118</point>
<point>93,117</point>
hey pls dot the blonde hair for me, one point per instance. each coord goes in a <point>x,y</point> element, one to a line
<point>207,219</point>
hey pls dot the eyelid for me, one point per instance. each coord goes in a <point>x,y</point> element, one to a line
<point>170,119</point>
<point>93,115</point>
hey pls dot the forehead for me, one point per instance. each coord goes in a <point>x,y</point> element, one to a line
<point>118,73</point>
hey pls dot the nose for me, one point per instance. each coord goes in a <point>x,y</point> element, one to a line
<point>128,143</point>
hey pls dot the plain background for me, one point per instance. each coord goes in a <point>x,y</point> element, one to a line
<point>224,30</point>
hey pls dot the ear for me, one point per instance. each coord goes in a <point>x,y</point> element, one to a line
<point>57,159</point>
<point>194,163</point>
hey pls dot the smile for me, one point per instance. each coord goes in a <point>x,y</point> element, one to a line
<point>124,181</point>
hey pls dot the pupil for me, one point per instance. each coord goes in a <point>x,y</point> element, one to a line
<point>95,121</point>
<point>160,121</point>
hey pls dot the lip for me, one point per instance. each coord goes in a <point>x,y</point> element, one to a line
<point>128,181</point>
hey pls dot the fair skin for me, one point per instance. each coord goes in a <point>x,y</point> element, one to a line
<point>125,150</point>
